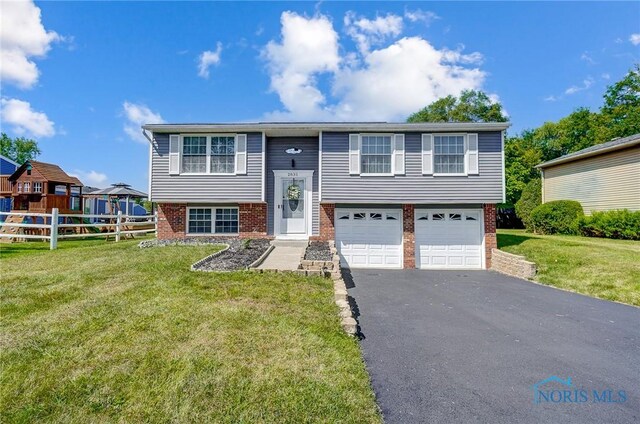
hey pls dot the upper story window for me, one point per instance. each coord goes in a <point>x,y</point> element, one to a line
<point>19,187</point>
<point>27,187</point>
<point>37,187</point>
<point>448,154</point>
<point>375,154</point>
<point>223,154</point>
<point>194,154</point>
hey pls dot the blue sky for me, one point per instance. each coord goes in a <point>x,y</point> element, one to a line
<point>81,77</point>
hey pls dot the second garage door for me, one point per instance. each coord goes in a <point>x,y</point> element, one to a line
<point>369,238</point>
<point>449,239</point>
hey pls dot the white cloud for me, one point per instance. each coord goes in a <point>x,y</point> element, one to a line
<point>587,58</point>
<point>551,98</point>
<point>309,46</point>
<point>586,84</point>
<point>24,120</point>
<point>606,76</point>
<point>22,38</point>
<point>387,83</point>
<point>138,115</point>
<point>635,39</point>
<point>207,59</point>
<point>418,15</point>
<point>367,32</point>
<point>91,178</point>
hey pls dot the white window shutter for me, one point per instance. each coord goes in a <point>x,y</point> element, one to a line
<point>472,154</point>
<point>398,154</point>
<point>174,154</point>
<point>427,154</point>
<point>354,154</point>
<point>241,154</point>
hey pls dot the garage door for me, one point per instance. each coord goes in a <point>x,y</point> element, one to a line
<point>449,239</point>
<point>369,238</point>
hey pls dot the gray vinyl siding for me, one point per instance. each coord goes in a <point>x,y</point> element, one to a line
<point>413,187</point>
<point>278,160</point>
<point>206,188</point>
<point>604,182</point>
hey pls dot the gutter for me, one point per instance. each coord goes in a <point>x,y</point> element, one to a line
<point>562,160</point>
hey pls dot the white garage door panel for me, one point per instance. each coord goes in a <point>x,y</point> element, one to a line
<point>449,239</point>
<point>369,238</point>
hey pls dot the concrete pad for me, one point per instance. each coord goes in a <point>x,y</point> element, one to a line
<point>286,255</point>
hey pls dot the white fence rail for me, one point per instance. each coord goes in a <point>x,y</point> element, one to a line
<point>118,225</point>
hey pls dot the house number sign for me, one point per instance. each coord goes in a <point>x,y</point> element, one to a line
<point>293,151</point>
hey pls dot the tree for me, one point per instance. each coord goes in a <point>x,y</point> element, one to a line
<point>18,149</point>
<point>621,109</point>
<point>471,106</point>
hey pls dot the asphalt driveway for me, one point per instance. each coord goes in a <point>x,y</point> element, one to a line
<point>463,347</point>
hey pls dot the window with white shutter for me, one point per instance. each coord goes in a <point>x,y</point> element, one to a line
<point>174,154</point>
<point>354,154</point>
<point>472,154</point>
<point>427,154</point>
<point>241,154</point>
<point>398,154</point>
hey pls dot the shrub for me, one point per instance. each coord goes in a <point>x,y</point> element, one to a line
<point>530,199</point>
<point>557,217</point>
<point>618,224</point>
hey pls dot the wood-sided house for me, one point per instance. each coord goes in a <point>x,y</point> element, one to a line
<point>39,187</point>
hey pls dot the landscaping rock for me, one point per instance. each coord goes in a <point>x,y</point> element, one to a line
<point>239,255</point>
<point>318,251</point>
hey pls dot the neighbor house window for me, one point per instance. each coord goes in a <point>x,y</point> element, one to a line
<point>37,187</point>
<point>212,221</point>
<point>19,187</point>
<point>376,154</point>
<point>223,154</point>
<point>27,187</point>
<point>448,154</point>
<point>194,154</point>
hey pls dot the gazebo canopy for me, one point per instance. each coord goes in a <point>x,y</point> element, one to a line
<point>121,190</point>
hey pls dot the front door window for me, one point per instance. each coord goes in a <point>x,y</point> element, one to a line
<point>293,198</point>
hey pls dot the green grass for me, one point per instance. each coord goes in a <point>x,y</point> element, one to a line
<point>103,332</point>
<point>604,268</point>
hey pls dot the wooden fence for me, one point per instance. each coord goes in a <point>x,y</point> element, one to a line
<point>55,226</point>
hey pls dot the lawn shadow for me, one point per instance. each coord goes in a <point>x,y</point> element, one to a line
<point>505,240</point>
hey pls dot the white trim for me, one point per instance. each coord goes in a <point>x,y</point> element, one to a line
<point>308,197</point>
<point>263,195</point>
<point>504,182</point>
<point>320,167</point>
<point>378,174</point>
<point>483,259</point>
<point>425,127</point>
<point>150,173</point>
<point>466,160</point>
<point>208,154</point>
<point>541,185</point>
<point>213,220</point>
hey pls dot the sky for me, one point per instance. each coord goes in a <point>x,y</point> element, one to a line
<point>81,78</point>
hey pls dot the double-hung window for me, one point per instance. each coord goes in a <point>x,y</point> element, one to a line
<point>27,187</point>
<point>223,154</point>
<point>37,187</point>
<point>212,220</point>
<point>448,154</point>
<point>194,154</point>
<point>375,154</point>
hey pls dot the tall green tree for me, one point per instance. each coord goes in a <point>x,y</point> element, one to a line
<point>471,106</point>
<point>18,149</point>
<point>621,109</point>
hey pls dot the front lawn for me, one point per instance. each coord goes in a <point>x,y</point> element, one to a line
<point>103,332</point>
<point>604,268</point>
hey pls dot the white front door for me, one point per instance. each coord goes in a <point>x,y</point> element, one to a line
<point>292,203</point>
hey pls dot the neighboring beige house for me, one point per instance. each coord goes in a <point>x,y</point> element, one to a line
<point>601,177</point>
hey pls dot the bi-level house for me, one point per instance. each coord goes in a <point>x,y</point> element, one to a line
<point>391,195</point>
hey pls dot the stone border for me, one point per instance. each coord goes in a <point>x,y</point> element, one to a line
<point>262,257</point>
<point>196,265</point>
<point>341,295</point>
<point>513,265</point>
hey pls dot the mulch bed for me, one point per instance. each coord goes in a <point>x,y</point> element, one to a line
<point>318,251</point>
<point>239,255</point>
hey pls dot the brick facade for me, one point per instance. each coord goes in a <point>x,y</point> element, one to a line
<point>490,241</point>
<point>172,221</point>
<point>253,220</point>
<point>408,236</point>
<point>327,228</point>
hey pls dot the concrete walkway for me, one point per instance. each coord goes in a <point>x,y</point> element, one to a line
<point>286,255</point>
